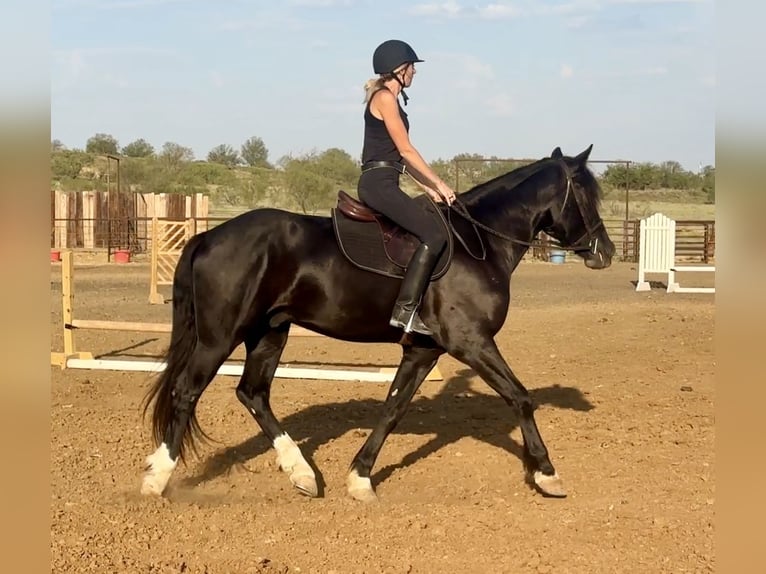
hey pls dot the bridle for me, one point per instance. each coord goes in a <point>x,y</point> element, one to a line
<point>591,240</point>
<point>590,228</point>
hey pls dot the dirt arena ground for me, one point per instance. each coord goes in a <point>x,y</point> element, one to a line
<point>624,383</point>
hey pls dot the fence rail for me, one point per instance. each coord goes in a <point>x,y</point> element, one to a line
<point>695,239</point>
<point>112,220</point>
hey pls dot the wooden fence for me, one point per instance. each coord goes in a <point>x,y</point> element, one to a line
<point>93,220</point>
<point>695,240</point>
<point>111,220</point>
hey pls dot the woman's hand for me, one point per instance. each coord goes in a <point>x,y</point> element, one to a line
<point>434,195</point>
<point>446,192</point>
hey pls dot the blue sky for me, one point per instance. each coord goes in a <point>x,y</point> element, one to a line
<point>636,78</point>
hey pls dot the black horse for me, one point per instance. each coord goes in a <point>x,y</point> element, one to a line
<point>249,279</point>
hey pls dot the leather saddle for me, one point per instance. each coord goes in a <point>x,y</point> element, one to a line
<point>355,209</point>
<point>373,242</point>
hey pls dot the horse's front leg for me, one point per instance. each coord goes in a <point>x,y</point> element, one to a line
<point>484,357</point>
<point>416,363</point>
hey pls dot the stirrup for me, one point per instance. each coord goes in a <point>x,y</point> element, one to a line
<point>414,324</point>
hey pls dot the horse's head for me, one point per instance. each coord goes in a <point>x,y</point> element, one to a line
<point>574,219</point>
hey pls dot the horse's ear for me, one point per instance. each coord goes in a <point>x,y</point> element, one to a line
<point>582,158</point>
<point>557,153</point>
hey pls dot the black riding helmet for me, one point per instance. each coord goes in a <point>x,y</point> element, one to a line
<point>390,55</point>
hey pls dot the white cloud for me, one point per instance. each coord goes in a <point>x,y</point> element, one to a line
<point>709,80</point>
<point>121,4</point>
<point>500,11</point>
<point>267,22</point>
<point>566,71</point>
<point>319,3</point>
<point>578,11</point>
<point>571,8</point>
<point>474,67</point>
<point>450,8</point>
<point>658,1</point>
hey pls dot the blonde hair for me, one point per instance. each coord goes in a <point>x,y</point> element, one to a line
<point>373,85</point>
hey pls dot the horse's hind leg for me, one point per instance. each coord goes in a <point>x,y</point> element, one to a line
<point>416,363</point>
<point>254,390</point>
<point>177,414</point>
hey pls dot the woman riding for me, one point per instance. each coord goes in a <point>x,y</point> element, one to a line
<point>387,153</point>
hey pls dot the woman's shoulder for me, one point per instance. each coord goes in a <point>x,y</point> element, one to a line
<point>382,100</point>
<point>383,94</point>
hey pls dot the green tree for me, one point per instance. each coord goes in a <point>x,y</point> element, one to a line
<point>471,169</point>
<point>635,176</point>
<point>336,165</point>
<point>138,148</point>
<point>708,183</point>
<point>224,154</point>
<point>102,144</point>
<point>254,153</point>
<point>310,190</point>
<point>68,163</point>
<point>207,173</point>
<point>57,145</point>
<point>136,173</point>
<point>174,155</point>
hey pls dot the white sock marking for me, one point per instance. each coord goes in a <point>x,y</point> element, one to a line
<point>356,482</point>
<point>289,455</point>
<point>161,466</point>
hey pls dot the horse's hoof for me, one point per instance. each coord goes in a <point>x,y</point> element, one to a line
<point>306,484</point>
<point>364,495</point>
<point>550,485</point>
<point>360,488</point>
<point>159,467</point>
<point>150,487</point>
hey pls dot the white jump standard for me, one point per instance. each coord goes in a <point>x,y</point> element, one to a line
<point>657,254</point>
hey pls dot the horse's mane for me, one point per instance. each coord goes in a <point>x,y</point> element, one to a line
<point>509,181</point>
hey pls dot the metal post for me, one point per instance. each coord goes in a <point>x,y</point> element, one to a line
<point>627,191</point>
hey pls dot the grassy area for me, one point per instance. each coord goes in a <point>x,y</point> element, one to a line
<point>678,205</point>
<point>615,209</point>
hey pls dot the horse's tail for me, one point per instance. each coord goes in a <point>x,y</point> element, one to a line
<point>183,339</point>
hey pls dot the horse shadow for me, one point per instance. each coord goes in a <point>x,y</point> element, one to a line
<point>454,413</point>
<point>124,351</point>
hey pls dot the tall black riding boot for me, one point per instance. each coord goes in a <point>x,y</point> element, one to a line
<point>414,283</point>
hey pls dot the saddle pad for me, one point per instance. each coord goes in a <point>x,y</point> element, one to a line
<point>363,245</point>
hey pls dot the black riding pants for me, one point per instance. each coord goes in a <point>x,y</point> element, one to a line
<point>379,189</point>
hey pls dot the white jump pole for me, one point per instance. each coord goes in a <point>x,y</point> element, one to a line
<point>235,370</point>
<point>72,359</point>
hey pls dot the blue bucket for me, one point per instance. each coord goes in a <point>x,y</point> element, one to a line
<point>558,257</point>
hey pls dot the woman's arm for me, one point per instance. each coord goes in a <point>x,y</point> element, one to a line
<point>384,102</point>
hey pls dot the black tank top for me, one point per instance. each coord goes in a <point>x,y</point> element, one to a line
<point>378,145</point>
